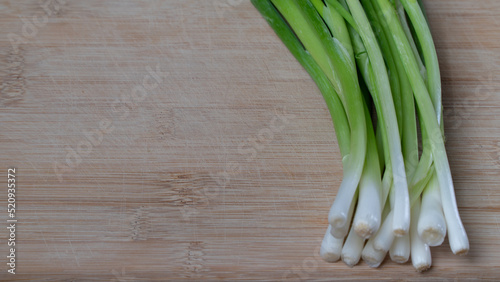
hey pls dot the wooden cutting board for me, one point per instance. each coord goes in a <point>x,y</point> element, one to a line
<point>172,140</point>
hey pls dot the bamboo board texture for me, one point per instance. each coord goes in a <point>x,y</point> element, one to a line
<point>179,140</point>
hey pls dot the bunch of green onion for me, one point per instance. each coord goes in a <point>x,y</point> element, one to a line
<point>393,197</point>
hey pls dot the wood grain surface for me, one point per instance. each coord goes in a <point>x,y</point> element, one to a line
<point>179,140</point>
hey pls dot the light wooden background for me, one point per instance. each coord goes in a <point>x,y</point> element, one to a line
<point>173,191</point>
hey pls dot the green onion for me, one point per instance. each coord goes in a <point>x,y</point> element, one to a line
<point>391,198</point>
<point>459,242</point>
<point>400,249</point>
<point>420,252</point>
<point>431,222</point>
